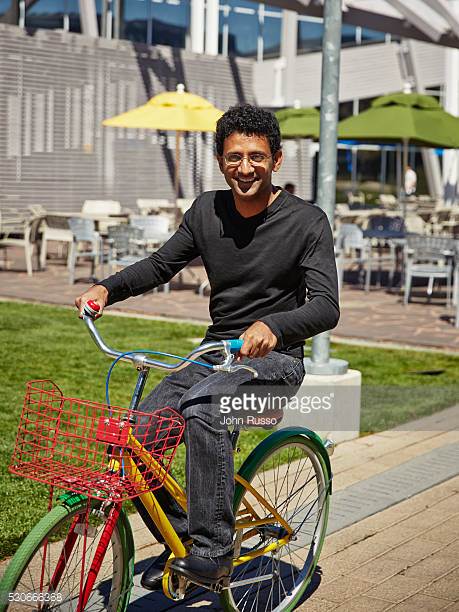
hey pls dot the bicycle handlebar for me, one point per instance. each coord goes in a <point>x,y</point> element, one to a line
<point>140,361</point>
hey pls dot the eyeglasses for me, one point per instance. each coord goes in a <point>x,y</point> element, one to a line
<point>254,159</point>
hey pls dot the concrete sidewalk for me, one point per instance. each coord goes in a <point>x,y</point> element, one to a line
<point>405,557</point>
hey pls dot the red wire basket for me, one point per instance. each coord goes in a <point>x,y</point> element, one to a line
<point>87,447</point>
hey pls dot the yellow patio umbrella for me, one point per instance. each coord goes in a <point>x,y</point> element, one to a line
<point>177,111</point>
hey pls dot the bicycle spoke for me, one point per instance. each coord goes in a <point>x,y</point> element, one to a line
<point>108,586</point>
<point>292,480</point>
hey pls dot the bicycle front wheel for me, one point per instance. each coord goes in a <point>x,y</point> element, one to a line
<point>292,477</point>
<point>51,565</point>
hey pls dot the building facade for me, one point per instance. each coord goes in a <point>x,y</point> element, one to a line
<point>59,84</point>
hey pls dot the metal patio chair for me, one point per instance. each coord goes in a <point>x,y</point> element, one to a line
<point>428,257</point>
<point>86,244</point>
<point>126,246</point>
<point>155,229</point>
<point>352,248</point>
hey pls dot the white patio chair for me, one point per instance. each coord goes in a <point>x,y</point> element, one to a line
<point>37,210</point>
<point>55,228</point>
<point>146,206</point>
<point>101,211</point>
<point>183,204</point>
<point>387,200</point>
<point>415,224</point>
<point>18,231</point>
<point>355,198</point>
<point>100,208</point>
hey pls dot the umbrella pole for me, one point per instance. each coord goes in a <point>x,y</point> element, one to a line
<point>405,164</point>
<point>398,171</point>
<point>178,135</point>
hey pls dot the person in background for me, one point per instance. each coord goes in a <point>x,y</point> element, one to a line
<point>290,187</point>
<point>411,180</point>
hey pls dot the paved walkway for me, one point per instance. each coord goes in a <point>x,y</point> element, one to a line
<point>378,316</point>
<point>404,558</point>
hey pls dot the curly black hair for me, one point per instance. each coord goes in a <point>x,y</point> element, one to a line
<point>250,120</point>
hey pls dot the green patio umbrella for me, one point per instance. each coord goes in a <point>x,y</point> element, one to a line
<point>299,122</point>
<point>412,118</point>
<point>407,118</point>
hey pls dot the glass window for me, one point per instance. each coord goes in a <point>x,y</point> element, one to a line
<point>309,35</point>
<point>157,22</point>
<point>272,27</point>
<point>5,6</point>
<point>243,28</point>
<point>344,164</point>
<point>345,109</point>
<point>72,9</point>
<point>365,103</point>
<point>48,14</point>
<point>136,14</point>
<point>171,21</point>
<point>56,14</point>
<point>368,165</point>
<point>99,15</point>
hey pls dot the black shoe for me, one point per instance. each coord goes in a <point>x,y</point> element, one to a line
<point>204,570</point>
<point>152,578</point>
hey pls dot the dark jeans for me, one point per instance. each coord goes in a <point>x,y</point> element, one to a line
<point>209,452</point>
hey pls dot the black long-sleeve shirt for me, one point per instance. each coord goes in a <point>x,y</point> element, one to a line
<point>259,267</point>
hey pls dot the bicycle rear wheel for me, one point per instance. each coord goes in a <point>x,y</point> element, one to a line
<point>292,475</point>
<point>48,564</point>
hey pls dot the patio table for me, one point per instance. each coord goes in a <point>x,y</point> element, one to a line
<point>384,235</point>
<point>101,221</point>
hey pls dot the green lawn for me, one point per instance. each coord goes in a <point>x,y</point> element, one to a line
<point>49,342</point>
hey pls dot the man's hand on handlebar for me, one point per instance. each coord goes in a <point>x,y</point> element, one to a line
<point>96,293</point>
<point>259,340</point>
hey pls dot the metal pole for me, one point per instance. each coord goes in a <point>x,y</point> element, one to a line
<point>320,362</point>
<point>404,167</point>
<point>451,104</point>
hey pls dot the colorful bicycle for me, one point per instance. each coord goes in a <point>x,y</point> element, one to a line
<point>80,556</point>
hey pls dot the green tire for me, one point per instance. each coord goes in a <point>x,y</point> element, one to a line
<point>281,444</point>
<point>19,573</point>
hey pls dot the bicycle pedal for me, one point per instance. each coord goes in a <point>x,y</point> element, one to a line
<point>216,587</point>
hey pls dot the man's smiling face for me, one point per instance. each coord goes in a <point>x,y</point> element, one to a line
<point>248,181</point>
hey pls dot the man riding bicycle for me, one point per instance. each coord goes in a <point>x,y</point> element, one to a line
<point>263,249</point>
